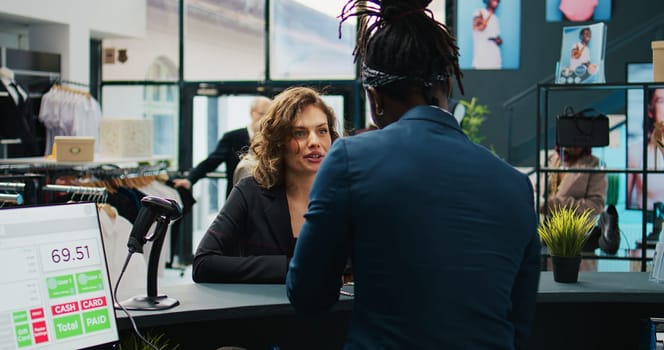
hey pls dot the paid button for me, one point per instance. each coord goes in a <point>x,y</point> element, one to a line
<point>96,320</point>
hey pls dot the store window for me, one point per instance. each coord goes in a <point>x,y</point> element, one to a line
<point>224,40</point>
<point>213,116</point>
<point>305,43</point>
<point>130,59</point>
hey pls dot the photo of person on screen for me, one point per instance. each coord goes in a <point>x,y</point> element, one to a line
<point>655,155</point>
<point>486,37</point>
<point>580,54</point>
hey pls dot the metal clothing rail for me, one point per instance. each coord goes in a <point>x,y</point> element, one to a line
<point>11,198</point>
<point>95,191</point>
<point>70,82</point>
<point>128,173</point>
<point>29,186</point>
<point>12,186</point>
<point>155,172</point>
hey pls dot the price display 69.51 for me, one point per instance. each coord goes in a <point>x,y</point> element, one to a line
<point>67,255</point>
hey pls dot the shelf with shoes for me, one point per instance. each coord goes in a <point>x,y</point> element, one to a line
<point>620,240</point>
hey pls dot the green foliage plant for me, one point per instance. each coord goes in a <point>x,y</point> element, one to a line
<point>566,230</point>
<point>473,119</point>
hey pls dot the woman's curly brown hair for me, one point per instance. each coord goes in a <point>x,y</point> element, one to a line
<point>276,130</point>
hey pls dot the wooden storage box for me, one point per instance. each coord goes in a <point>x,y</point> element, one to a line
<point>658,61</point>
<point>74,148</point>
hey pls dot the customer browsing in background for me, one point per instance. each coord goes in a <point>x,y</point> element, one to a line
<point>228,149</point>
<point>581,190</point>
<point>253,236</point>
<point>441,233</point>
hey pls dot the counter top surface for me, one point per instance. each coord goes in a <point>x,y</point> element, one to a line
<point>629,287</point>
<point>204,301</point>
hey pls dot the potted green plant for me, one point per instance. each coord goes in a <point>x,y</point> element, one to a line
<point>564,232</point>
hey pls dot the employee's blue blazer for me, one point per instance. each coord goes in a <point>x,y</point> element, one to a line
<point>441,233</point>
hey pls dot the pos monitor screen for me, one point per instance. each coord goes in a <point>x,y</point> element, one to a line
<point>54,287</point>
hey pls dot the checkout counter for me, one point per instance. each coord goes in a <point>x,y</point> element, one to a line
<point>604,310</point>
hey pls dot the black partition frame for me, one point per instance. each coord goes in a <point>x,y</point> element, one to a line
<point>542,142</point>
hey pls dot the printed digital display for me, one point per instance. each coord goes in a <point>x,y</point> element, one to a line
<point>54,289</point>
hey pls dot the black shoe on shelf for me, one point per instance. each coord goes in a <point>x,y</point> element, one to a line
<point>609,240</point>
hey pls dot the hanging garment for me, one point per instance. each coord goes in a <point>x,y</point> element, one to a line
<point>69,112</point>
<point>17,120</point>
<point>128,202</point>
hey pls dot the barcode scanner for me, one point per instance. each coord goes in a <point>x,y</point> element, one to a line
<point>162,211</point>
<point>153,209</point>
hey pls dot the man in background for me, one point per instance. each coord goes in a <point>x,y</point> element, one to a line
<point>228,150</point>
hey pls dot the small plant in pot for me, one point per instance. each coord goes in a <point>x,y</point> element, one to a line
<point>564,232</point>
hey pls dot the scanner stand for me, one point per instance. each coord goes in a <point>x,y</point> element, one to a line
<point>152,301</point>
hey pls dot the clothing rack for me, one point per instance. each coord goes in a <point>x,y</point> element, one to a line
<point>83,190</point>
<point>108,172</point>
<point>117,178</point>
<point>12,186</point>
<point>155,172</point>
<point>106,177</point>
<point>12,198</point>
<point>27,184</point>
<point>16,198</point>
<point>96,194</point>
<point>70,82</point>
<point>93,194</point>
<point>67,86</point>
<point>71,90</point>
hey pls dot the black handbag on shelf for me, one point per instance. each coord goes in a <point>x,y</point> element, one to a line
<point>587,128</point>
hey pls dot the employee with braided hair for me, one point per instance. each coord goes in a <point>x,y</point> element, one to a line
<point>442,256</point>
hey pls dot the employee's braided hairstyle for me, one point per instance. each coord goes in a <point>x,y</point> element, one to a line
<point>401,37</point>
